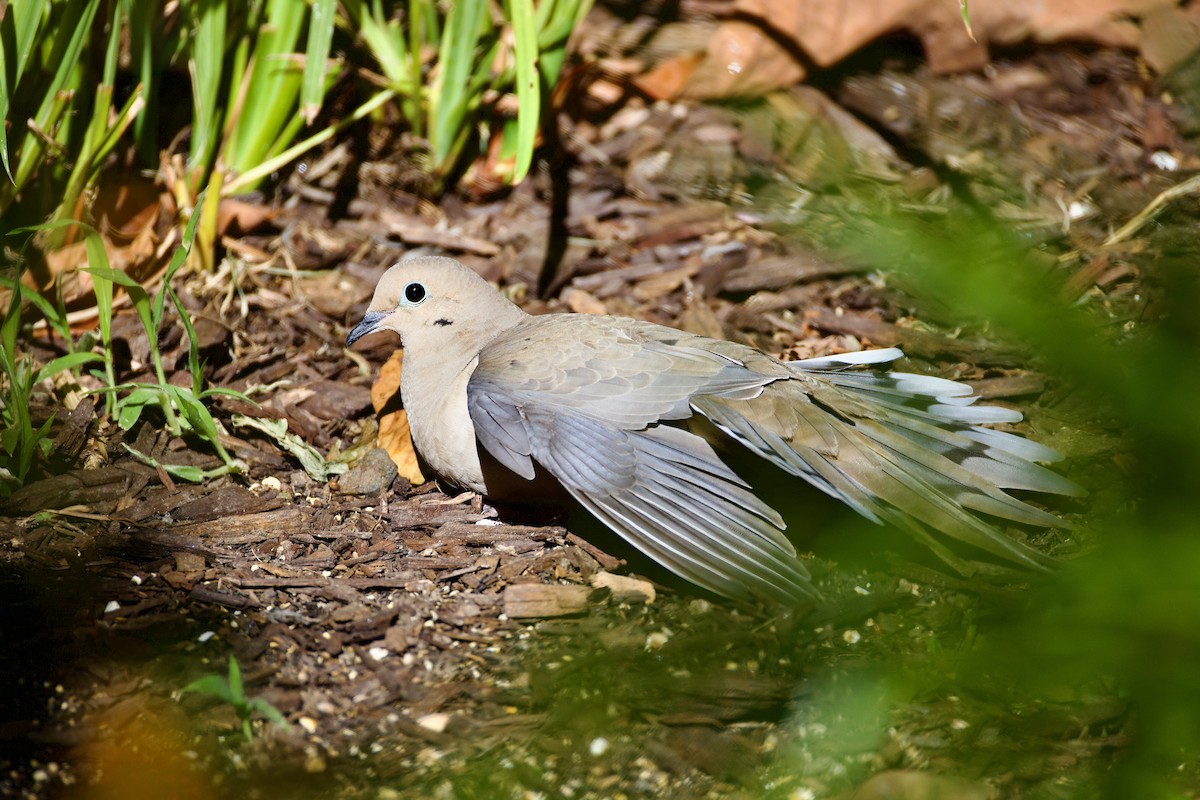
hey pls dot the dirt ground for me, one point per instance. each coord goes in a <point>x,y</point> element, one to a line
<point>427,645</point>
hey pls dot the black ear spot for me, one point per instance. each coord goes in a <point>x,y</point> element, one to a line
<point>415,293</point>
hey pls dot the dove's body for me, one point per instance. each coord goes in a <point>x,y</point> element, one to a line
<point>599,402</point>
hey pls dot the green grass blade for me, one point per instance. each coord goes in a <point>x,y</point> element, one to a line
<point>71,361</point>
<point>272,89</point>
<point>27,21</point>
<point>212,685</point>
<point>67,54</point>
<point>316,58</point>
<point>247,179</point>
<point>4,103</point>
<point>146,49</point>
<point>528,85</point>
<point>10,326</point>
<point>554,34</point>
<point>385,40</point>
<point>449,99</point>
<point>193,351</point>
<point>236,690</point>
<point>103,288</point>
<point>177,258</point>
<point>55,319</point>
<point>27,18</point>
<point>206,59</point>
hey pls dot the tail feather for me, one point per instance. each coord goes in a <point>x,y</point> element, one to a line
<point>907,449</point>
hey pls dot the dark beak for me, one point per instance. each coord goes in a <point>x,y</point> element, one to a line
<point>369,322</point>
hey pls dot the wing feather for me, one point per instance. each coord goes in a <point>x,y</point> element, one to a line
<point>907,449</point>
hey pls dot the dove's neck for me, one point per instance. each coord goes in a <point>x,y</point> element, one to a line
<point>433,386</point>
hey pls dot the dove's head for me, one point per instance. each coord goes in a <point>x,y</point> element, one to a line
<point>436,303</point>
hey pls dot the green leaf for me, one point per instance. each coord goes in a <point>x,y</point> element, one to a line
<point>385,40</point>
<point>273,85</point>
<point>213,685</point>
<point>66,56</point>
<point>193,350</point>
<point>247,179</point>
<point>966,18</point>
<point>206,59</point>
<point>177,259</point>
<point>197,416</point>
<point>185,473</point>
<point>52,315</point>
<point>28,18</point>
<point>268,712</point>
<point>235,681</point>
<point>70,361</point>
<point>129,407</point>
<point>137,294</point>
<point>316,56</point>
<point>310,459</point>
<point>449,96</point>
<point>529,94</point>
<point>4,103</point>
<point>10,326</point>
<point>226,391</point>
<point>9,439</point>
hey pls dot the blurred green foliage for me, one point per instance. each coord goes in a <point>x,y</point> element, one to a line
<point>1122,617</point>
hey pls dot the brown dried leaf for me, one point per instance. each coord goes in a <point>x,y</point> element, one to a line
<point>394,435</point>
<point>236,216</point>
<point>745,57</point>
<point>582,302</point>
<point>1169,36</point>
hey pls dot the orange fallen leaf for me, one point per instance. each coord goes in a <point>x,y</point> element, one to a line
<point>394,435</point>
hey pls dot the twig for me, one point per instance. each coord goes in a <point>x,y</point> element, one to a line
<point>1142,217</point>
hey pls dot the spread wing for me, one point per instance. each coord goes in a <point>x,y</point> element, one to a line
<point>588,411</point>
<point>905,449</point>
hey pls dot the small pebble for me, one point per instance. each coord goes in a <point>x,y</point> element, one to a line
<point>435,722</point>
<point>657,639</point>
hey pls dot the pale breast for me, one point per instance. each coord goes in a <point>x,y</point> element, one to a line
<point>436,401</point>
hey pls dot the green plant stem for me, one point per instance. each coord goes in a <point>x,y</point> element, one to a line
<point>259,172</point>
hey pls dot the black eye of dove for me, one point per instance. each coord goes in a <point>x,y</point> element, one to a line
<point>414,293</point>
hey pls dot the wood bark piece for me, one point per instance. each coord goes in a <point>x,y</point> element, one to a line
<point>625,589</point>
<point>1019,385</point>
<point>258,526</point>
<point>224,503</point>
<point>98,489</point>
<point>413,230</point>
<point>538,600</point>
<point>72,436</point>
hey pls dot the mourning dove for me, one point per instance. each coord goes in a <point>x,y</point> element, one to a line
<point>609,408</point>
